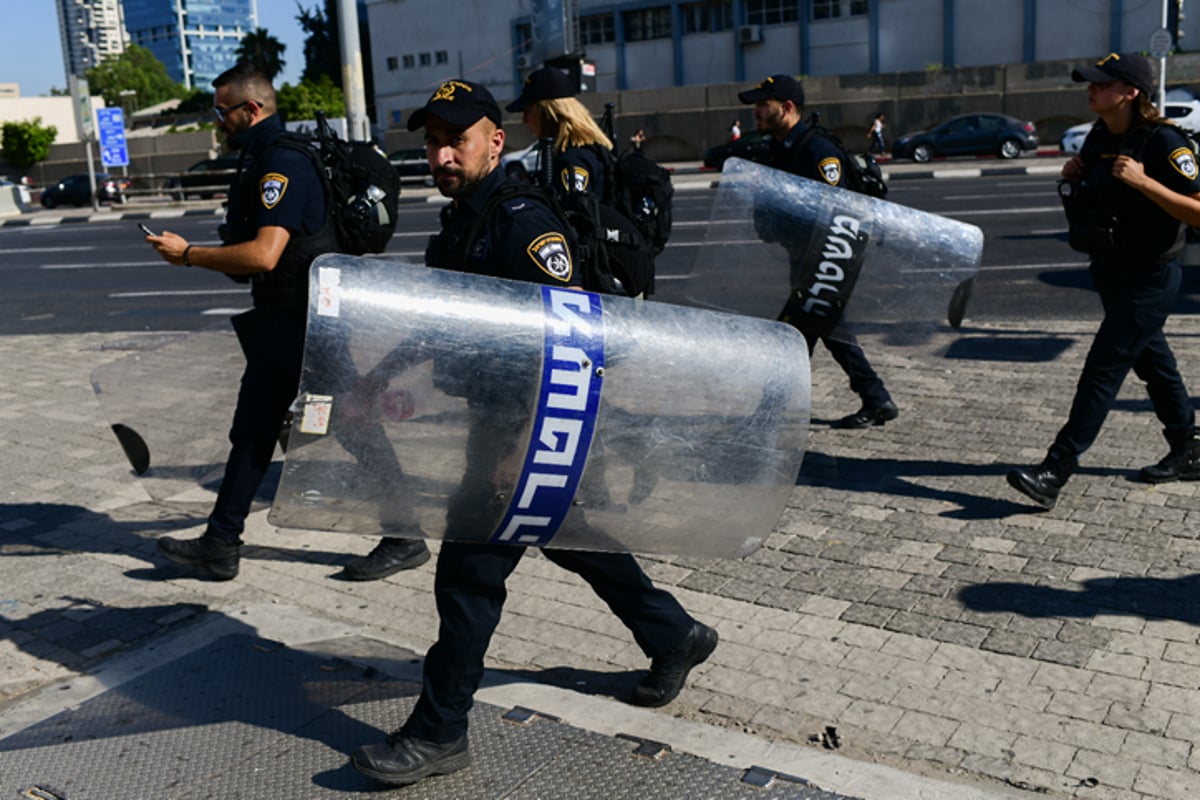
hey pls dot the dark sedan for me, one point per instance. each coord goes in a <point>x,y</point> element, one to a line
<point>206,178</point>
<point>76,190</point>
<point>969,135</point>
<point>754,146</point>
<point>412,162</point>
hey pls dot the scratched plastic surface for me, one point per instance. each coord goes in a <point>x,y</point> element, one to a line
<point>771,231</point>
<point>547,417</point>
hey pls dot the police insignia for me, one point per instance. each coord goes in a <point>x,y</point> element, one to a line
<point>1184,162</point>
<point>581,176</point>
<point>271,187</point>
<point>549,251</point>
<point>831,170</point>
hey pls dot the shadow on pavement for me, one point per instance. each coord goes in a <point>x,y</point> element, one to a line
<point>1149,598</point>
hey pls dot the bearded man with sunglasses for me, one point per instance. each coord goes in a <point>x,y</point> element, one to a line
<point>276,225</point>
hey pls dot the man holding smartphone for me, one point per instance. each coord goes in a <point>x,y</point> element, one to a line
<point>277,223</point>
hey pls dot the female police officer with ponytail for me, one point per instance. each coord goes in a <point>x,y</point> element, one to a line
<point>1129,195</point>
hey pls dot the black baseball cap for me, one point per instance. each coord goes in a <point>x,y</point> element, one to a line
<point>776,87</point>
<point>546,83</point>
<point>1132,68</point>
<point>458,102</point>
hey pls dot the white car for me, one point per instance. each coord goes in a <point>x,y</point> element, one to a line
<point>521,163</point>
<point>1185,115</point>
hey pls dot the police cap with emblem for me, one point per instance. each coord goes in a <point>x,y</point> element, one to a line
<point>776,87</point>
<point>546,83</point>
<point>458,102</point>
<point>1132,68</point>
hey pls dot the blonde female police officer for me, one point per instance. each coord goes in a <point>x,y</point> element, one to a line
<point>1135,168</point>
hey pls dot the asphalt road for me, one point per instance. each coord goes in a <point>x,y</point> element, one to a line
<point>101,276</point>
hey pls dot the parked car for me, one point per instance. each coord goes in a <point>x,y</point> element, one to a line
<point>76,190</point>
<point>521,163</point>
<point>969,134</point>
<point>205,179</point>
<point>1185,115</point>
<point>753,146</point>
<point>411,162</point>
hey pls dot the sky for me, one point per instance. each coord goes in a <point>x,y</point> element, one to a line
<point>33,56</point>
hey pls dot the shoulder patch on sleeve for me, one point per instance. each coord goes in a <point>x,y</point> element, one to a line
<point>552,255</point>
<point>271,188</point>
<point>831,170</point>
<point>1184,162</point>
<point>577,175</point>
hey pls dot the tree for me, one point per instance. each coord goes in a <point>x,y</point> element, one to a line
<point>264,51</point>
<point>134,70</point>
<point>322,48</point>
<point>306,99</point>
<point>26,143</point>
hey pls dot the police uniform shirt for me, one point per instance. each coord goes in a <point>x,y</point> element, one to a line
<point>819,159</point>
<point>579,169</point>
<point>522,241</point>
<point>1147,231</point>
<point>281,185</point>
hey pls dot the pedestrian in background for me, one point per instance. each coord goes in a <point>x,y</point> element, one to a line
<point>875,141</point>
<point>1133,186</point>
<point>735,130</point>
<point>778,110</point>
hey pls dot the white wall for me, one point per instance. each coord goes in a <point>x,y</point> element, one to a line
<point>56,111</point>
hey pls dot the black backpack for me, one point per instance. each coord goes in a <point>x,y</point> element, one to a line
<point>861,171</point>
<point>641,189</point>
<point>362,187</point>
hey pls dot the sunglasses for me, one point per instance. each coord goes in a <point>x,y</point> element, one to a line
<point>221,113</point>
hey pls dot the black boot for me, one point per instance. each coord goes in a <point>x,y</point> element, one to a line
<point>1181,464</point>
<point>402,760</point>
<point>219,557</point>
<point>668,673</point>
<point>390,556</point>
<point>1042,483</point>
<point>869,415</point>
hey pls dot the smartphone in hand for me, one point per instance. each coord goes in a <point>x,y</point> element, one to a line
<point>146,230</point>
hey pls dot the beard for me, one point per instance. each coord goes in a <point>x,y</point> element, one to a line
<point>455,183</point>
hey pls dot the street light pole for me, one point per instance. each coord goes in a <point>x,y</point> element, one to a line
<point>358,126</point>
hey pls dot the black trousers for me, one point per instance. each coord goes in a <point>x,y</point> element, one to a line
<point>843,345</point>
<point>1136,300</point>
<point>469,590</point>
<point>273,343</point>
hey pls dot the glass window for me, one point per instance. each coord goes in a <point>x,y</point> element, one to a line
<point>599,29</point>
<point>524,38</point>
<point>777,12</point>
<point>393,63</point>
<point>828,9</point>
<point>441,57</point>
<point>648,23</point>
<point>426,59</point>
<point>410,61</point>
<point>709,16</point>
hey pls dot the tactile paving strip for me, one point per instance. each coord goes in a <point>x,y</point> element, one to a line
<point>246,718</point>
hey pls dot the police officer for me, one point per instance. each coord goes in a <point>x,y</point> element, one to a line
<point>778,111</point>
<point>521,240</point>
<point>1136,169</point>
<point>277,223</point>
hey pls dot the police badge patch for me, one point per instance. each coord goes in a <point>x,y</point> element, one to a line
<point>831,170</point>
<point>1184,162</point>
<point>271,188</point>
<point>549,251</point>
<point>581,176</point>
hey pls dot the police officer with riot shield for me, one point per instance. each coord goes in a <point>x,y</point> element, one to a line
<point>1128,195</point>
<point>278,222</point>
<point>778,110</point>
<point>522,240</point>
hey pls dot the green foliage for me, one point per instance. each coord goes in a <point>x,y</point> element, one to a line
<point>322,50</point>
<point>304,100</point>
<point>26,143</point>
<point>138,70</point>
<point>199,101</point>
<point>264,51</point>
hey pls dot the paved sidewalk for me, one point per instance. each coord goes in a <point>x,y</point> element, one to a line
<point>962,643</point>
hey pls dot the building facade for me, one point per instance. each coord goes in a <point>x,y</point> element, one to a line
<point>195,39</point>
<point>90,31</point>
<point>648,44</point>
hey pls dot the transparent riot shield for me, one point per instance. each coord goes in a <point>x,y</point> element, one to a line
<point>170,402</point>
<point>781,246</point>
<point>446,405</point>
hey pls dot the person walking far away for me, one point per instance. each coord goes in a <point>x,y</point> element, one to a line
<point>875,141</point>
<point>277,223</point>
<point>1128,195</point>
<point>464,140</point>
<point>638,139</point>
<point>778,111</point>
<point>735,130</point>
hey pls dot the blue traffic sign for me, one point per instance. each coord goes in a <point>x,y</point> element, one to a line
<point>113,151</point>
